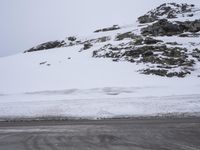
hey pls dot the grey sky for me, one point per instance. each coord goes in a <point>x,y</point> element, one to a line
<point>26,23</point>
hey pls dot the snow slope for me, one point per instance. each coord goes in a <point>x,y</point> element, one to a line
<point>87,87</point>
<point>64,82</point>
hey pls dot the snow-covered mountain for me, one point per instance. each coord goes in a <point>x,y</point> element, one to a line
<point>148,68</point>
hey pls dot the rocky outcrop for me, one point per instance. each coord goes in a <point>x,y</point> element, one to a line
<point>190,26</point>
<point>161,57</point>
<point>196,54</point>
<point>161,28</point>
<point>114,27</point>
<point>127,35</point>
<point>165,73</point>
<point>97,40</point>
<point>147,19</point>
<point>164,27</point>
<point>71,38</point>
<point>168,11</point>
<point>138,40</point>
<point>47,45</point>
<point>87,46</point>
<point>149,40</point>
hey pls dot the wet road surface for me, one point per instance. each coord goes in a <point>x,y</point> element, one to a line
<point>118,134</point>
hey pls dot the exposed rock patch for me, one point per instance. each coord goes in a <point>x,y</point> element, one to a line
<point>127,35</point>
<point>72,38</point>
<point>161,28</point>
<point>137,39</point>
<point>87,46</point>
<point>47,45</point>
<point>163,58</point>
<point>167,10</point>
<point>114,27</point>
<point>164,73</point>
<point>42,63</point>
<point>190,26</point>
<point>196,54</point>
<point>173,43</point>
<point>149,40</point>
<point>97,40</point>
<point>165,28</point>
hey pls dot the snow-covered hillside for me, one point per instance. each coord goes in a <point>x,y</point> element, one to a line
<point>149,68</point>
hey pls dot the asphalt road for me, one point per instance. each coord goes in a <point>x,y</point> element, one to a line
<point>125,134</point>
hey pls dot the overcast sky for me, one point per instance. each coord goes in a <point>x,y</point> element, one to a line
<point>26,23</point>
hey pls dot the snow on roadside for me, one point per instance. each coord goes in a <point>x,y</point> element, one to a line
<point>88,88</point>
<point>102,107</point>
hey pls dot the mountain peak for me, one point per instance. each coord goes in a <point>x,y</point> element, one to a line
<point>168,11</point>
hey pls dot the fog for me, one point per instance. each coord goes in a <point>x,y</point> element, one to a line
<point>26,23</point>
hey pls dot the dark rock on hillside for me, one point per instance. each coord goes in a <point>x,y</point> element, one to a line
<point>190,26</point>
<point>158,55</point>
<point>72,38</point>
<point>47,45</point>
<point>149,40</point>
<point>165,28</point>
<point>166,10</point>
<point>147,53</point>
<point>161,28</point>
<point>42,63</point>
<point>71,41</point>
<point>114,27</point>
<point>87,46</point>
<point>173,43</point>
<point>189,35</point>
<point>196,54</point>
<point>127,35</point>
<point>98,40</point>
<point>164,73</point>
<point>147,19</point>
<point>138,40</point>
